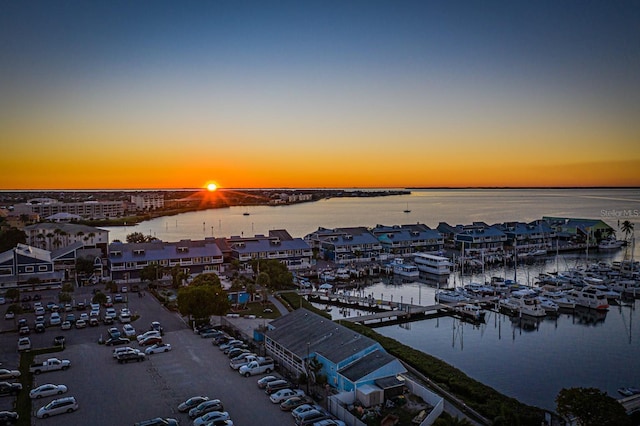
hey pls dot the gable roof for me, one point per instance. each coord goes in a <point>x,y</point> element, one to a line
<point>367,365</point>
<point>323,336</point>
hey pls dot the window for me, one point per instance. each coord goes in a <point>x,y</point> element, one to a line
<point>28,269</point>
<point>42,268</point>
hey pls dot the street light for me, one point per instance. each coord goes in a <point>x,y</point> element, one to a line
<point>307,367</point>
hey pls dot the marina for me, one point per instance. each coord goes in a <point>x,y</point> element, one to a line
<point>527,358</point>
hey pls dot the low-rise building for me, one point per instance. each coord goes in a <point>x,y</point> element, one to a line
<point>25,265</point>
<point>126,260</point>
<point>45,207</point>
<point>405,240</point>
<point>279,245</point>
<point>302,339</point>
<point>346,245</point>
<point>52,236</point>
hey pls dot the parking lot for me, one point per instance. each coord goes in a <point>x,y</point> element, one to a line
<point>109,393</point>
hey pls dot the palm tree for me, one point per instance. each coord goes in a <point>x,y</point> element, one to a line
<point>627,228</point>
<point>49,236</point>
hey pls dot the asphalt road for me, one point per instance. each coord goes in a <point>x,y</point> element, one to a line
<point>115,394</point>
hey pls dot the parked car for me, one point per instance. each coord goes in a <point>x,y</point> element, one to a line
<point>130,356</point>
<point>24,344</point>
<point>298,411</point>
<point>275,386</point>
<point>310,417</point>
<point>284,394</point>
<point>81,323</point>
<point>330,422</point>
<point>155,325</point>
<point>114,341</point>
<point>262,382</point>
<point>7,388</point>
<point>9,315</point>
<point>210,417</point>
<point>211,333</point>
<point>294,402</point>
<point>66,325</point>
<point>8,374</point>
<point>47,389</point>
<point>118,298</point>
<point>158,421</point>
<point>128,330</point>
<point>54,318</point>
<point>24,330</point>
<point>8,417</point>
<point>158,348</point>
<point>205,407</point>
<point>192,402</point>
<point>151,340</point>
<point>123,349</point>
<point>58,406</point>
<point>59,341</point>
<point>113,332</point>
<point>150,333</point>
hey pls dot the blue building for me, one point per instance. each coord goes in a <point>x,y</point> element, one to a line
<point>349,360</point>
<point>401,240</point>
<point>25,265</point>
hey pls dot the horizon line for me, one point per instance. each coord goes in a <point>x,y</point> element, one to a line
<point>317,188</point>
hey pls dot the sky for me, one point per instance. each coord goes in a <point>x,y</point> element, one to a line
<point>318,94</point>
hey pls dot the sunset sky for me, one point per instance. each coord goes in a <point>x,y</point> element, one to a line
<point>174,94</point>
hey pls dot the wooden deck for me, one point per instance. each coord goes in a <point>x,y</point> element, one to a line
<point>631,403</point>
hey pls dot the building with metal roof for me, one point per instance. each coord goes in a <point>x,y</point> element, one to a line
<point>346,245</point>
<point>399,240</point>
<point>349,359</point>
<point>279,245</point>
<point>126,260</point>
<point>25,265</point>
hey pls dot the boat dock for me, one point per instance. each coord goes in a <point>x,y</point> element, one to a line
<point>385,312</point>
<point>631,403</point>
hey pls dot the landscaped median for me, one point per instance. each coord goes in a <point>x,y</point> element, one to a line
<point>23,402</point>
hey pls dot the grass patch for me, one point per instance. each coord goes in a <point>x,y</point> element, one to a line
<point>23,402</point>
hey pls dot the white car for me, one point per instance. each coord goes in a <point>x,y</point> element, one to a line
<point>58,406</point>
<point>128,330</point>
<point>210,417</point>
<point>55,319</point>
<point>123,349</point>
<point>9,315</point>
<point>284,394</point>
<point>8,374</point>
<point>47,390</point>
<point>158,347</point>
<point>150,333</point>
<point>66,325</point>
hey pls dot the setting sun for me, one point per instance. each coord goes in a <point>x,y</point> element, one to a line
<point>212,187</point>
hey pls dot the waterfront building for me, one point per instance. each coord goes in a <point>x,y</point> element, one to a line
<point>52,236</point>
<point>126,260</point>
<point>45,207</point>
<point>536,235</point>
<point>579,230</point>
<point>405,240</point>
<point>24,266</point>
<point>346,245</point>
<point>350,361</point>
<point>279,245</point>
<point>480,239</point>
<point>148,201</point>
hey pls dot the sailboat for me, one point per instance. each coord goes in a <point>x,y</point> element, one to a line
<point>407,209</point>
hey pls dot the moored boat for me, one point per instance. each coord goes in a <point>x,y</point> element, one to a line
<point>469,311</point>
<point>589,297</point>
<point>431,264</point>
<point>450,296</point>
<point>404,269</point>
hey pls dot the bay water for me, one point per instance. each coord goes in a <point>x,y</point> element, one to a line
<point>530,361</point>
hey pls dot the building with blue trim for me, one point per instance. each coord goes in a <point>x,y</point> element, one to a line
<point>404,240</point>
<point>349,360</point>
<point>346,245</point>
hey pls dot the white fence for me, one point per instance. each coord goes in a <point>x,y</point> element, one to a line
<point>337,404</point>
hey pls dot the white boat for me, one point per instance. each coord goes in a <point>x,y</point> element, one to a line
<point>404,269</point>
<point>589,297</point>
<point>469,311</point>
<point>547,304</point>
<point>342,274</point>
<point>523,305</point>
<point>610,244</point>
<point>450,296</point>
<point>560,299</point>
<point>431,264</point>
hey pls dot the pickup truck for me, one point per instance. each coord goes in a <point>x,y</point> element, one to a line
<point>265,365</point>
<point>51,364</point>
<point>242,359</point>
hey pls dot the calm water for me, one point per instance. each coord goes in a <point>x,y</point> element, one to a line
<point>530,362</point>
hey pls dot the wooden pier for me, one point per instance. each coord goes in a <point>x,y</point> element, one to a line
<point>631,403</point>
<point>384,312</point>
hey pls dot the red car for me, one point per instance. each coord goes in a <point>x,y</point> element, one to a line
<point>151,340</point>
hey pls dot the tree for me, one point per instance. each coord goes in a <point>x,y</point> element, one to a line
<point>627,228</point>
<point>13,294</point>
<point>64,297</point>
<point>151,272</point>
<point>99,298</point>
<point>591,407</point>
<point>209,279</point>
<point>202,301</point>
<point>10,238</point>
<point>177,276</point>
<point>279,275</point>
<point>84,266</point>
<point>139,237</point>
